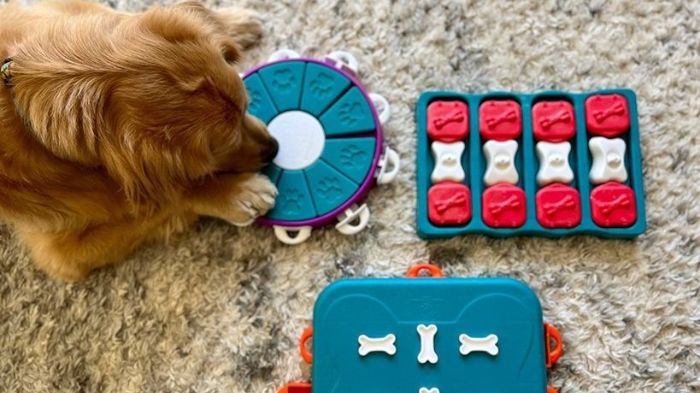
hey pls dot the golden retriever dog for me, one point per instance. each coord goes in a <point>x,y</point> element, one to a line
<point>118,128</point>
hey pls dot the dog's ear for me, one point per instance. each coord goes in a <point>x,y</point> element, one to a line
<point>60,111</point>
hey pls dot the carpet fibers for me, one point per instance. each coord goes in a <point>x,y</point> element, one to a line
<point>220,310</point>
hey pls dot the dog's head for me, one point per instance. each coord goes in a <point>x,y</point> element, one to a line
<point>153,98</point>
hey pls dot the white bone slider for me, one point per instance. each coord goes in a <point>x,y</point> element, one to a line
<point>554,163</point>
<point>427,344</point>
<point>500,162</point>
<point>486,344</point>
<point>431,390</point>
<point>448,161</point>
<point>382,344</point>
<point>608,160</point>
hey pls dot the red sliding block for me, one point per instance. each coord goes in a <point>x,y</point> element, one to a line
<point>558,206</point>
<point>448,121</point>
<point>500,120</point>
<point>607,115</point>
<point>449,203</point>
<point>553,121</point>
<point>504,206</point>
<point>613,205</point>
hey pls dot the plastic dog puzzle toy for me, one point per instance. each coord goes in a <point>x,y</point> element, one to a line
<point>428,334</point>
<point>550,164</point>
<point>330,134</point>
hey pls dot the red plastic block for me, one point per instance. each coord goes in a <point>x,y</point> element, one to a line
<point>613,205</point>
<point>449,203</point>
<point>553,121</point>
<point>448,121</point>
<point>607,115</point>
<point>558,206</point>
<point>500,120</point>
<point>504,206</point>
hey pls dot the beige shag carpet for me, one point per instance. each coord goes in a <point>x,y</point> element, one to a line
<point>221,310</point>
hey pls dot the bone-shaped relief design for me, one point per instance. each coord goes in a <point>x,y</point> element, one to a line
<point>454,200</point>
<point>431,390</point>
<point>558,117</point>
<point>452,117</point>
<point>448,161</point>
<point>427,344</point>
<point>552,208</point>
<point>616,110</point>
<point>608,160</point>
<point>511,202</point>
<point>488,344</point>
<point>620,201</point>
<point>554,163</point>
<point>510,116</point>
<point>381,344</point>
<point>500,162</point>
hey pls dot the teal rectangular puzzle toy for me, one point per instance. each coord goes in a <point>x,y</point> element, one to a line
<point>429,334</point>
<point>550,164</point>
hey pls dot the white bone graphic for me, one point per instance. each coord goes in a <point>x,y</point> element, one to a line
<point>382,344</point>
<point>608,160</point>
<point>431,390</point>
<point>486,344</point>
<point>554,163</point>
<point>500,162</point>
<point>448,161</point>
<point>427,344</point>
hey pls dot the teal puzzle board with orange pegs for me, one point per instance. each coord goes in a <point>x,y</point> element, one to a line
<point>427,333</point>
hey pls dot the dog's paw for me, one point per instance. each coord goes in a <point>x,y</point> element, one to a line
<point>255,197</point>
<point>244,25</point>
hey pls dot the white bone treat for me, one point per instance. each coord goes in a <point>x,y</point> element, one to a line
<point>431,390</point>
<point>486,344</point>
<point>382,344</point>
<point>427,344</point>
<point>554,163</point>
<point>608,160</point>
<point>500,162</point>
<point>448,161</point>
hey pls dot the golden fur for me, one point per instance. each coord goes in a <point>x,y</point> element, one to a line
<point>122,128</point>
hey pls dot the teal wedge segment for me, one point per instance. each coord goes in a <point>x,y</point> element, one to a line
<point>284,82</point>
<point>273,172</point>
<point>328,186</point>
<point>294,201</point>
<point>351,156</point>
<point>322,85</point>
<point>260,104</point>
<point>351,114</point>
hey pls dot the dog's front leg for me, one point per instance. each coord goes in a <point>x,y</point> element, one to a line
<point>238,199</point>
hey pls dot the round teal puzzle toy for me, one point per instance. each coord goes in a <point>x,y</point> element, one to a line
<point>426,333</point>
<point>329,130</point>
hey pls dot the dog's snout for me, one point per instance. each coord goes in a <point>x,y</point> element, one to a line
<point>272,150</point>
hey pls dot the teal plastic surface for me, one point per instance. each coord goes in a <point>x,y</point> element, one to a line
<point>351,114</point>
<point>351,156</point>
<point>321,88</point>
<point>294,201</point>
<point>476,307</point>
<point>328,186</point>
<point>343,172</point>
<point>527,164</point>
<point>260,104</point>
<point>284,82</point>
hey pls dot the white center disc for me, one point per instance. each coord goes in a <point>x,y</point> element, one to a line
<point>301,139</point>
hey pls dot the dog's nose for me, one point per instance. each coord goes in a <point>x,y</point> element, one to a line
<point>272,150</point>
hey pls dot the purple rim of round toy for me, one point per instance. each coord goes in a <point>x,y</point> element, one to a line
<point>369,180</point>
